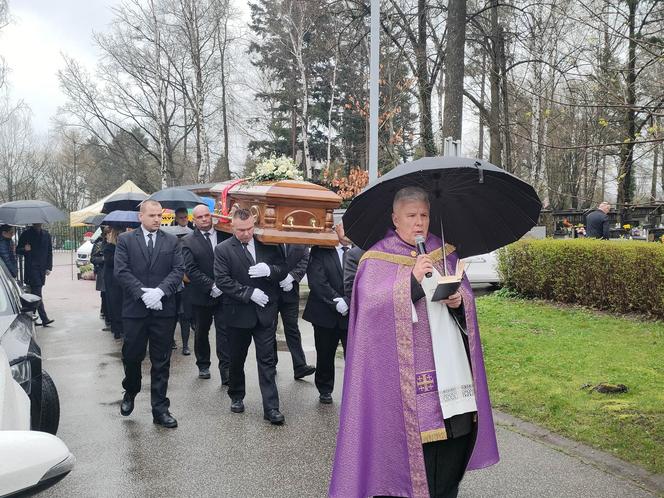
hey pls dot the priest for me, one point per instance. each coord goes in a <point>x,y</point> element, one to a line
<point>415,412</point>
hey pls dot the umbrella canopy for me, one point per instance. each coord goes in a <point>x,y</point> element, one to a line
<point>122,219</point>
<point>177,230</point>
<point>94,220</point>
<point>29,212</point>
<point>123,201</point>
<point>481,206</point>
<point>174,198</point>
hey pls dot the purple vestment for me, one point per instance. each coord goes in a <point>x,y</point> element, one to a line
<point>379,444</point>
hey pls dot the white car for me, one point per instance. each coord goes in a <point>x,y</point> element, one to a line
<point>31,460</point>
<point>483,269</point>
<point>83,252</point>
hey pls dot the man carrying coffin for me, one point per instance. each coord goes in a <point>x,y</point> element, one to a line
<point>415,413</point>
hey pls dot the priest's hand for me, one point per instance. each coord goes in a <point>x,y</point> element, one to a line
<point>423,265</point>
<point>454,301</point>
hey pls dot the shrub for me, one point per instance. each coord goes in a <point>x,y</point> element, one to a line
<point>618,276</point>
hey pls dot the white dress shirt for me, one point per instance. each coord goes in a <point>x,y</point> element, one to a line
<point>213,236</point>
<point>340,253</point>
<point>145,236</point>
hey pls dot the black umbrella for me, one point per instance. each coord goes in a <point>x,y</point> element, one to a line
<point>29,212</point>
<point>95,219</point>
<point>481,206</point>
<point>174,198</point>
<point>123,201</point>
<point>122,219</point>
<point>177,230</point>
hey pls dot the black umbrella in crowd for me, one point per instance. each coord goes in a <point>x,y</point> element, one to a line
<point>29,212</point>
<point>122,219</point>
<point>177,230</point>
<point>95,219</point>
<point>123,201</point>
<point>174,198</point>
<point>481,206</point>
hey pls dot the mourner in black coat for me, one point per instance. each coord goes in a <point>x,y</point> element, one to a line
<point>288,305</point>
<point>597,222</point>
<point>149,267</point>
<point>248,274</point>
<point>327,309</point>
<point>36,247</point>
<point>7,249</point>
<point>198,252</point>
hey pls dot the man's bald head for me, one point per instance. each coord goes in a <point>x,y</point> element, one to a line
<point>150,215</point>
<point>202,217</point>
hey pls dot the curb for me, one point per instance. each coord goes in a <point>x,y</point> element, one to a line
<point>603,461</point>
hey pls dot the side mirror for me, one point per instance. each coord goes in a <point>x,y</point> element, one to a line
<point>29,303</point>
<point>34,461</point>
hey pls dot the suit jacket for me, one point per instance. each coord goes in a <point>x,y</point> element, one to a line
<point>326,282</point>
<point>39,258</point>
<point>231,266</point>
<point>297,260</point>
<point>597,224</point>
<point>134,270</point>
<point>198,257</point>
<point>350,269</point>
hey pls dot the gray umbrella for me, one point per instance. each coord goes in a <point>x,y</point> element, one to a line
<point>177,230</point>
<point>29,212</point>
<point>174,198</point>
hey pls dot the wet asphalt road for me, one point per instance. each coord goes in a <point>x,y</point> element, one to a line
<point>214,452</point>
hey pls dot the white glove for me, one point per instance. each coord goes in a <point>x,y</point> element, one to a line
<point>215,292</point>
<point>157,307</point>
<point>152,296</point>
<point>287,283</point>
<point>260,270</point>
<point>342,307</point>
<point>259,297</point>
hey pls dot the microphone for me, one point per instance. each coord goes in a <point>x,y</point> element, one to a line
<point>422,249</point>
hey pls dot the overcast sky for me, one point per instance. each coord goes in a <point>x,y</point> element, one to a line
<point>32,44</point>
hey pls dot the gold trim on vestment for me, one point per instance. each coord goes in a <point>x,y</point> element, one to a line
<point>433,435</point>
<point>399,259</point>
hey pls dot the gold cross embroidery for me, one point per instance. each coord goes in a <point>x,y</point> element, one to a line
<point>424,382</point>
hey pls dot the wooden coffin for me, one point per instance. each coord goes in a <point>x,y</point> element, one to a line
<point>286,211</point>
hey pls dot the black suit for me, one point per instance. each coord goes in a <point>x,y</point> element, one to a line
<point>245,319</point>
<point>134,269</point>
<point>297,260</point>
<point>350,269</point>
<point>326,282</point>
<point>199,265</point>
<point>38,260</point>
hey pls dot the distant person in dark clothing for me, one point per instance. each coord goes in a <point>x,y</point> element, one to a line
<point>36,247</point>
<point>97,260</point>
<point>182,218</point>
<point>7,249</point>
<point>112,285</point>
<point>597,222</point>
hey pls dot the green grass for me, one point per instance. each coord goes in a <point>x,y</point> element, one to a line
<point>538,356</point>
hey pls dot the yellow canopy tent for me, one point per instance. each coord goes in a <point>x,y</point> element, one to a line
<point>76,218</point>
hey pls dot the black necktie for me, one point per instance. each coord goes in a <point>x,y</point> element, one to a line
<point>344,250</point>
<point>150,246</point>
<point>248,254</point>
<point>207,236</point>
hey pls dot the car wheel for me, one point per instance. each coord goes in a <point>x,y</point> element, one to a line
<point>50,407</point>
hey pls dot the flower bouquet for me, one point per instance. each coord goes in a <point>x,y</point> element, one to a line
<point>275,169</point>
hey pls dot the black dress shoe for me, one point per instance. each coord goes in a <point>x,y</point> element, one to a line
<point>165,420</point>
<point>185,351</point>
<point>203,373</point>
<point>127,405</point>
<point>237,406</point>
<point>274,416</point>
<point>325,398</point>
<point>46,323</point>
<point>303,372</point>
<point>106,329</point>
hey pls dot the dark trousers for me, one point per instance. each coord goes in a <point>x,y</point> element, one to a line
<point>203,316</point>
<point>114,307</point>
<point>103,311</point>
<point>185,315</point>
<point>445,463</point>
<point>289,314</point>
<point>239,341</point>
<point>327,341</point>
<point>158,334</point>
<point>37,291</point>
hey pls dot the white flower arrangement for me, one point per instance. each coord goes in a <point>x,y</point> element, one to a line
<point>275,168</point>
